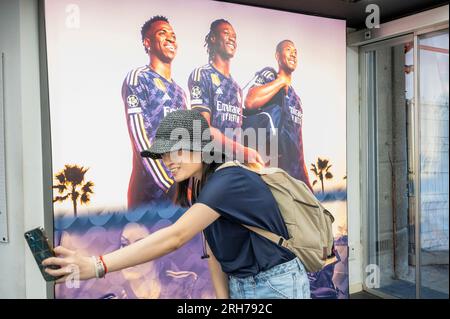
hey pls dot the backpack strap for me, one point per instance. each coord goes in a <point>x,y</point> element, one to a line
<point>229,164</point>
<point>279,240</point>
<point>255,168</point>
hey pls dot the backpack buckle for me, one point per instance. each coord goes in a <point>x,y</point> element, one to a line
<point>282,242</point>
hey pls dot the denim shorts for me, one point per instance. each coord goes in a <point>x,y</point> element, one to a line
<point>283,281</point>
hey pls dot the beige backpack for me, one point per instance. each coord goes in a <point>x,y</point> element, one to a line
<point>307,221</point>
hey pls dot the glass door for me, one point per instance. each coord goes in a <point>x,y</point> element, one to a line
<point>404,159</point>
<point>388,93</point>
<point>433,49</point>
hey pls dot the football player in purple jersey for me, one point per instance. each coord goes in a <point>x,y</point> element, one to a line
<point>149,94</point>
<point>272,103</point>
<point>216,94</point>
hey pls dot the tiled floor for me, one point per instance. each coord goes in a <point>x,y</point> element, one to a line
<point>434,285</point>
<point>434,278</point>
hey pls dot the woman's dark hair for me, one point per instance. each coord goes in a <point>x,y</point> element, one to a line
<point>182,196</point>
<point>213,32</point>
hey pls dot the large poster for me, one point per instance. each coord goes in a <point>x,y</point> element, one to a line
<point>107,98</point>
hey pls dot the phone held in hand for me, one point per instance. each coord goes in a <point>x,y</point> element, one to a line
<point>41,249</point>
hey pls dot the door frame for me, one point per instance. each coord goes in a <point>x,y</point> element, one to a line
<point>368,171</point>
<point>369,151</point>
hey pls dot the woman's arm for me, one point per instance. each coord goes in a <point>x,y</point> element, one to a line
<point>155,245</point>
<point>219,278</point>
<point>164,241</point>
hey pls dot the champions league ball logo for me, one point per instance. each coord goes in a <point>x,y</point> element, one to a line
<point>196,92</point>
<point>260,80</point>
<point>132,101</point>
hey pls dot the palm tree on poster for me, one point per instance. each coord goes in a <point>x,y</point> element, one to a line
<point>321,170</point>
<point>71,186</point>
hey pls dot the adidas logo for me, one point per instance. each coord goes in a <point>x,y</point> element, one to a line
<point>219,91</point>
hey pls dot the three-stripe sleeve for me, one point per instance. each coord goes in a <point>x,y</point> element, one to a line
<point>134,103</point>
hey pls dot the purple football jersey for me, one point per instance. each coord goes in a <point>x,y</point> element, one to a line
<point>283,112</point>
<point>218,95</point>
<point>148,98</point>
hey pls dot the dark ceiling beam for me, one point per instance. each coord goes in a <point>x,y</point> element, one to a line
<point>354,11</point>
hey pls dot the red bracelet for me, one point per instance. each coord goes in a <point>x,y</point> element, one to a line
<point>104,264</point>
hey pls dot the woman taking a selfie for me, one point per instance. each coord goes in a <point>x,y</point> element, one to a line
<point>242,263</point>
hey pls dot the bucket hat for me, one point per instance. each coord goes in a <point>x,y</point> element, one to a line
<point>180,130</point>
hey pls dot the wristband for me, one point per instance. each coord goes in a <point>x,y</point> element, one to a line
<point>99,267</point>
<point>104,264</point>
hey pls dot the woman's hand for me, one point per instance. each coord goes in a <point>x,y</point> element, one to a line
<point>72,264</point>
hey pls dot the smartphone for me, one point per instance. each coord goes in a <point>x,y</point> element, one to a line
<point>41,249</point>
